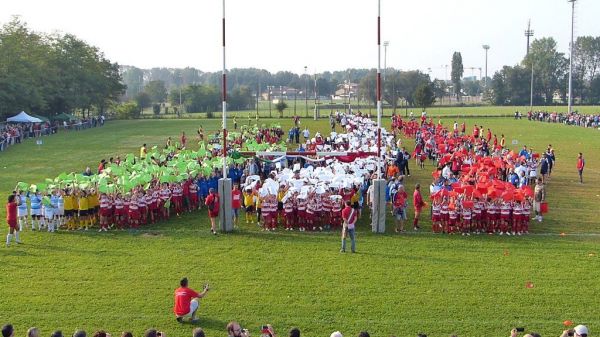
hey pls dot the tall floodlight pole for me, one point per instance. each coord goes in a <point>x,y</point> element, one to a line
<point>378,94</point>
<point>224,185</point>
<point>316,112</point>
<point>486,48</point>
<point>385,45</point>
<point>379,213</point>
<point>571,56</point>
<point>305,92</point>
<point>528,34</point>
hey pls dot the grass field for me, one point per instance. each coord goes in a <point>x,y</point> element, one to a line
<point>435,111</point>
<point>395,284</point>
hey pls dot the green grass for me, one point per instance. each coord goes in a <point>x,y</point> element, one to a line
<point>434,111</point>
<point>396,285</point>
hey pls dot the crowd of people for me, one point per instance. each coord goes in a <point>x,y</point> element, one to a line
<point>234,329</point>
<point>15,133</point>
<point>573,118</point>
<point>479,186</point>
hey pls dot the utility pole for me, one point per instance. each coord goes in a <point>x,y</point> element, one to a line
<point>571,55</point>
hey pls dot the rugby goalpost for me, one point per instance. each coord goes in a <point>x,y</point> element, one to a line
<point>224,187</point>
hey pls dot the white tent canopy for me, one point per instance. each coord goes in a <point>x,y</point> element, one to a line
<point>23,117</point>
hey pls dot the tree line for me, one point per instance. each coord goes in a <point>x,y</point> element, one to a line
<point>52,73</point>
<point>549,69</point>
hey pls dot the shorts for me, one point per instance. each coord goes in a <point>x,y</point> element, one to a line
<point>48,214</point>
<point>106,212</point>
<point>69,212</point>
<point>505,216</point>
<point>21,212</point>
<point>36,212</point>
<point>60,211</point>
<point>134,215</point>
<point>436,218</point>
<point>212,214</point>
<point>13,224</point>
<point>194,304</point>
<point>400,214</point>
<point>83,212</point>
<point>249,209</point>
<point>236,212</point>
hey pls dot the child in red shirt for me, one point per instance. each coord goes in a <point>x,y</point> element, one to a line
<point>11,219</point>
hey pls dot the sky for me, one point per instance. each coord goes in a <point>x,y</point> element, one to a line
<point>319,34</point>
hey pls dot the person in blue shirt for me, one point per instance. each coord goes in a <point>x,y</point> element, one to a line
<point>213,181</point>
<point>524,152</point>
<point>202,188</point>
<point>36,210</point>
<point>22,210</point>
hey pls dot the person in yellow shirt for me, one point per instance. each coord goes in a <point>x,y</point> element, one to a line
<point>94,207</point>
<point>143,152</point>
<point>258,201</point>
<point>280,194</point>
<point>83,210</point>
<point>69,209</point>
<point>249,204</point>
<point>355,199</point>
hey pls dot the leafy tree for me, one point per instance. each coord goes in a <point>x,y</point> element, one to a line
<point>50,74</point>
<point>549,66</point>
<point>156,90</point>
<point>595,91</point>
<point>457,73</point>
<point>280,107</point>
<point>367,87</point>
<point>511,86</point>
<point>424,96</point>
<point>143,100</point>
<point>586,64</point>
<point>439,88</point>
<point>127,110</point>
<point>133,78</point>
<point>240,98</point>
<point>200,98</point>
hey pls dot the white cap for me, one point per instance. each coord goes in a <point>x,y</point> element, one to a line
<point>581,330</point>
<point>336,334</point>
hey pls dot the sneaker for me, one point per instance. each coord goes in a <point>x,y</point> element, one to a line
<point>341,250</point>
<point>500,233</point>
<point>179,319</point>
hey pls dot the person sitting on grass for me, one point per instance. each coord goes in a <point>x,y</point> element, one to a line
<point>8,330</point>
<point>186,301</point>
<point>33,332</point>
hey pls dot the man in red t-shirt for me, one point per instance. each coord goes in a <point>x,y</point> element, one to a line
<point>349,215</point>
<point>580,166</point>
<point>11,219</point>
<point>236,203</point>
<point>212,202</point>
<point>186,301</point>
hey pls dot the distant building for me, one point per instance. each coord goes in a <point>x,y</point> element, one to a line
<point>281,92</point>
<point>346,90</point>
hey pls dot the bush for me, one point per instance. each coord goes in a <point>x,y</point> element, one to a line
<point>127,110</point>
<point>156,108</point>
